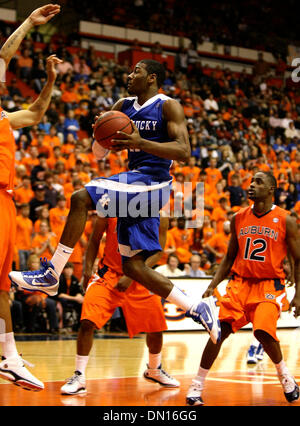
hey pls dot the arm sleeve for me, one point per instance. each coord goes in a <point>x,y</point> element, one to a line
<point>98,151</point>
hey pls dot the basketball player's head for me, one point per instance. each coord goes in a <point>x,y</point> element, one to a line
<point>262,187</point>
<point>146,74</point>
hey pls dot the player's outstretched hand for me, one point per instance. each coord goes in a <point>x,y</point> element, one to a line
<point>208,292</point>
<point>51,63</point>
<point>295,303</point>
<point>126,141</point>
<point>43,14</point>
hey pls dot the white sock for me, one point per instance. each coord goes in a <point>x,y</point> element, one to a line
<point>81,363</point>
<point>61,257</point>
<point>201,375</point>
<point>154,360</point>
<point>282,368</point>
<point>178,298</point>
<point>9,348</point>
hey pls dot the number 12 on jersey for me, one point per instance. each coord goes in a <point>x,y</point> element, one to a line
<point>253,249</point>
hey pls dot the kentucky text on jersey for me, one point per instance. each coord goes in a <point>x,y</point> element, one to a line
<point>258,230</point>
<point>148,118</point>
<point>145,125</point>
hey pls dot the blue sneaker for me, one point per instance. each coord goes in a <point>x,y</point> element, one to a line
<point>45,279</point>
<point>260,352</point>
<point>205,313</point>
<point>251,355</point>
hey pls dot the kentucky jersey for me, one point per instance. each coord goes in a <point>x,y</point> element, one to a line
<point>148,118</point>
<point>262,245</point>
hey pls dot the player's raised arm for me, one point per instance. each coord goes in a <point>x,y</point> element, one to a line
<point>293,243</point>
<point>39,16</point>
<point>35,112</point>
<point>226,263</point>
<point>179,146</point>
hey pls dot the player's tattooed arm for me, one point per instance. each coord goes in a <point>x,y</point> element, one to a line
<point>38,17</point>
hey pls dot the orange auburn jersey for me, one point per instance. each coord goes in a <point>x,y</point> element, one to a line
<point>112,257</point>
<point>7,153</point>
<point>261,243</point>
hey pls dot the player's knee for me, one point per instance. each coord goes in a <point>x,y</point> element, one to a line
<point>80,199</point>
<point>226,330</point>
<point>87,326</point>
<point>263,337</point>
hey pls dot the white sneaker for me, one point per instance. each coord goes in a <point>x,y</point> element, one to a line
<point>14,370</point>
<point>193,396</point>
<point>290,387</point>
<point>158,375</point>
<point>75,385</point>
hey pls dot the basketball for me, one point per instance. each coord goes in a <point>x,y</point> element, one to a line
<point>107,126</point>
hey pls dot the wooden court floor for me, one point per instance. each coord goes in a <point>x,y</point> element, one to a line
<point>116,365</point>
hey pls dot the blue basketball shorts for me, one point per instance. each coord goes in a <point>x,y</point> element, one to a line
<point>136,199</point>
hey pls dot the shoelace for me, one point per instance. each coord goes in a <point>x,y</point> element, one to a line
<point>73,379</point>
<point>29,364</point>
<point>165,373</point>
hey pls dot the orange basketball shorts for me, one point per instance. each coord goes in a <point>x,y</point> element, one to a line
<point>142,310</point>
<point>251,300</point>
<point>7,238</point>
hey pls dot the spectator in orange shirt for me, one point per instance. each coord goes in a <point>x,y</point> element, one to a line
<point>31,160</point>
<point>40,144</point>
<point>69,144</point>
<point>23,236</point>
<point>44,243</point>
<point>183,240</point>
<point>58,216</point>
<point>24,193</point>
<point>55,157</point>
<point>25,65</point>
<point>218,244</point>
<point>77,184</point>
<point>295,164</point>
<point>52,139</point>
<point>43,216</point>
<point>213,197</point>
<point>77,256</point>
<point>170,247</point>
<point>191,171</point>
<point>78,154</point>
<point>79,169</point>
<point>116,161</point>
<point>219,214</point>
<point>69,96</point>
<point>213,174</point>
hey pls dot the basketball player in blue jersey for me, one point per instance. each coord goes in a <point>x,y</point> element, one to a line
<point>135,197</point>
